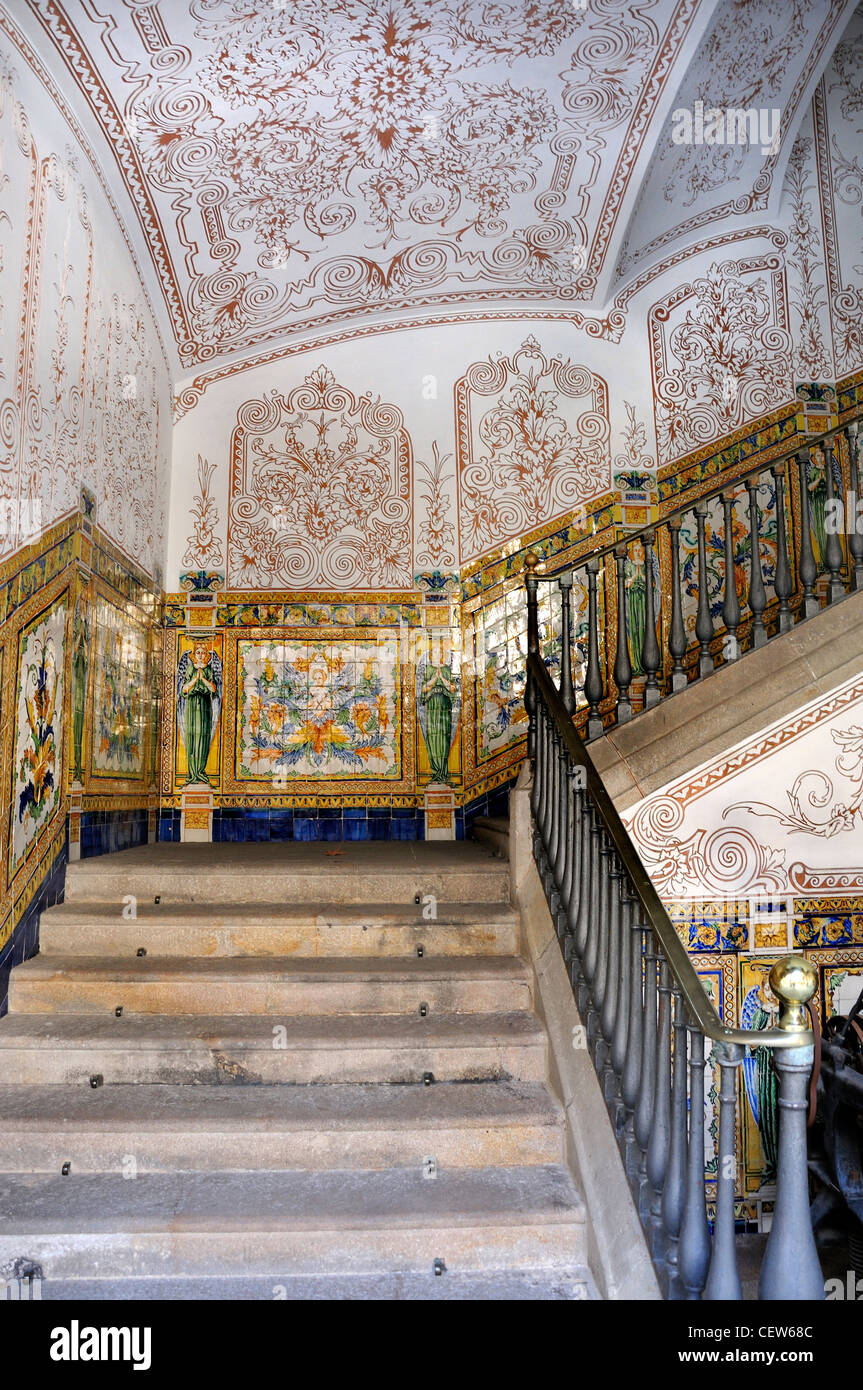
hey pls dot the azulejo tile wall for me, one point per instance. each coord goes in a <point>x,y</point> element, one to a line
<point>323,716</point>
<point>77,737</point>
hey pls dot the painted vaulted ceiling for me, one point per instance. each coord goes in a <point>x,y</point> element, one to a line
<point>299,165</point>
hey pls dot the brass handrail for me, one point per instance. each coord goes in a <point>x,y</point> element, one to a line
<point>602,552</point>
<point>697,1001</point>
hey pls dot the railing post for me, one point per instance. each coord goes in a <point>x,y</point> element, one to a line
<point>730,603</point>
<point>660,1130</point>
<point>703,619</point>
<point>790,1268</point>
<point>647,1080</point>
<point>855,535</point>
<point>693,1251</point>
<point>757,598</point>
<point>833,546</point>
<point>782,584</point>
<point>677,632</point>
<point>631,1079</point>
<point>723,1281</point>
<point>593,691</point>
<point>650,655</point>
<point>567,693</point>
<point>807,568</point>
<point>622,663</point>
<point>673,1192</point>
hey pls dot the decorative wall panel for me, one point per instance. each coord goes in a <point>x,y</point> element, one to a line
<point>40,694</point>
<point>528,454</point>
<point>320,490</point>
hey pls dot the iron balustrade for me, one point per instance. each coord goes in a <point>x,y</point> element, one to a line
<point>632,660</point>
<point>647,1018</point>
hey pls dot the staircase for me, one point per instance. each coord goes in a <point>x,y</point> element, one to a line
<point>299,1071</point>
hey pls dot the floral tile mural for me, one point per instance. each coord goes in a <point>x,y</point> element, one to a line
<point>119,706</point>
<point>327,709</point>
<point>37,771</point>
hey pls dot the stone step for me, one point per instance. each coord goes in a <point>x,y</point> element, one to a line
<point>289,987</point>
<point>567,1285</point>
<point>236,1049</point>
<point>493,833</point>
<point>139,1129</point>
<point>249,929</point>
<point>292,873</point>
<point>284,1225</point>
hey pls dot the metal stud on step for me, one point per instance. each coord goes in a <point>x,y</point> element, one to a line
<point>429,1166</point>
<point>417,898</point>
<point>420,952</point>
<point>158,898</point>
<point>141,951</point>
<point>66,1170</point>
<point>428,1078</point>
<point>96,1082</point>
<point>439,1267</point>
<point>424,1008</point>
<point>118,1012</point>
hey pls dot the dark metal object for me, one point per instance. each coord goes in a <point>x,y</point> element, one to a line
<point>646,1017</point>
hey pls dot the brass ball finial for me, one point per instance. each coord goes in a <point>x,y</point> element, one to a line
<point>793,980</point>
<point>531,561</point>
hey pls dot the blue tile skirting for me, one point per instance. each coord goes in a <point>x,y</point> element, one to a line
<point>241,823</point>
<point>24,941</point>
<point>104,832</point>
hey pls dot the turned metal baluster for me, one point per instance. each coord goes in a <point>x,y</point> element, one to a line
<point>531,585</point>
<point>855,513</point>
<point>542,735</point>
<point>575,884</point>
<point>806,568</point>
<point>563,815</point>
<point>723,1281</point>
<point>650,655</point>
<point>673,1192</point>
<point>657,1148</point>
<point>833,547</point>
<point>567,692</point>
<point>677,632</point>
<point>570,873</point>
<point>783,586</point>
<point>599,937</point>
<point>592,942</point>
<point>730,603</point>
<point>554,803</point>
<point>536,789</point>
<point>757,598</point>
<point>593,691</point>
<point>631,1080</point>
<point>703,619</point>
<point>693,1249</point>
<point>585,896</point>
<point>647,1084</point>
<point>790,1269</point>
<point>563,859</point>
<point>607,856</point>
<point>624,976</point>
<point>612,968</point>
<point>622,663</point>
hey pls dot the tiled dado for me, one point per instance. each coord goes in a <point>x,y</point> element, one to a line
<point>77,747</point>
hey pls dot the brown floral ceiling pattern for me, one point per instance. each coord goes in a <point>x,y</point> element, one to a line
<point>303,164</point>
